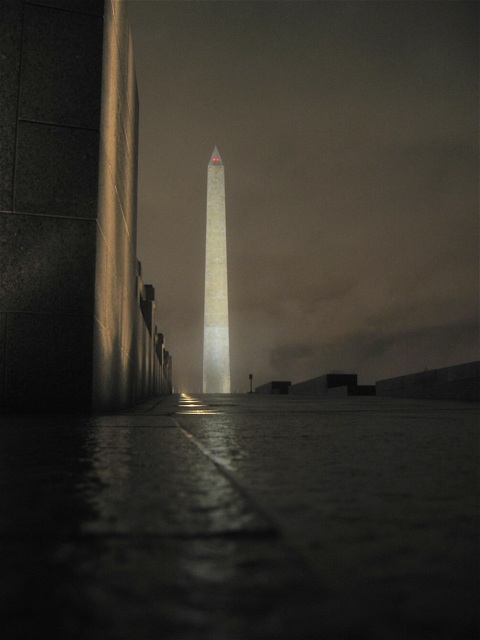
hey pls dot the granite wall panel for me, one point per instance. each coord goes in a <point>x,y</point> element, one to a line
<point>47,264</point>
<point>128,314</point>
<point>11,16</point>
<point>119,14</point>
<point>125,161</point>
<point>113,376</point>
<point>119,142</point>
<point>123,290</point>
<point>131,222</point>
<point>121,167</point>
<point>116,309</point>
<point>48,354</point>
<point>60,62</point>
<point>144,360</point>
<point>102,266</point>
<point>74,338</point>
<point>116,269</point>
<point>57,170</point>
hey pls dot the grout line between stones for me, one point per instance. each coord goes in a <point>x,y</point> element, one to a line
<point>300,552</point>
<point>222,466</point>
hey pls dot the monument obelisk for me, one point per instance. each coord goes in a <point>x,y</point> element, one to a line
<point>216,351</point>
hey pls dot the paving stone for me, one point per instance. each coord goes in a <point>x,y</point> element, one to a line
<point>115,480</point>
<point>383,503</point>
<point>242,518</point>
<point>124,588</point>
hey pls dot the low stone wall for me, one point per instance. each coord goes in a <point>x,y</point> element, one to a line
<point>460,382</point>
<point>153,363</point>
<point>352,390</point>
<point>276,387</point>
<point>321,385</point>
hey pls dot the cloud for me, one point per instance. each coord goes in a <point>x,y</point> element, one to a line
<point>349,133</point>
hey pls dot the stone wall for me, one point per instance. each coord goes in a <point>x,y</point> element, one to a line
<point>320,386</point>
<point>460,382</point>
<point>351,390</point>
<point>72,336</point>
<point>275,387</point>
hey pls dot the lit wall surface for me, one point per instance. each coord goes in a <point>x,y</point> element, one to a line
<point>71,333</point>
<point>116,309</point>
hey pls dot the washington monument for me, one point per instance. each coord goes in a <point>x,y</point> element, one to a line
<point>216,352</point>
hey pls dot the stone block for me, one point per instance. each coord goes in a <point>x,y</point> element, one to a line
<point>321,385</point>
<point>132,221</point>
<point>275,387</point>
<point>131,85</point>
<point>120,115</point>
<point>47,264</point>
<point>109,209</point>
<point>365,390</point>
<point>340,392</point>
<point>122,168</point>
<point>11,16</point>
<point>115,292</point>
<point>113,381</point>
<point>48,356</point>
<point>57,170</point>
<point>351,390</point>
<point>101,278</point>
<point>116,265</point>
<point>143,359</point>
<point>119,133</point>
<point>119,13</point>
<point>61,60</point>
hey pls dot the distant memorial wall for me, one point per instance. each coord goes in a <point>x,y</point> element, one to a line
<point>76,321</point>
<point>328,384</point>
<point>459,382</point>
<point>275,387</point>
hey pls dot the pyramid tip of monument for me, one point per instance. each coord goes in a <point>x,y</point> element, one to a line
<point>215,158</point>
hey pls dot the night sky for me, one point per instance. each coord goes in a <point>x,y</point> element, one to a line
<point>349,134</point>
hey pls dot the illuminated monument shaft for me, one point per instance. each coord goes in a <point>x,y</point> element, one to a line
<point>216,353</point>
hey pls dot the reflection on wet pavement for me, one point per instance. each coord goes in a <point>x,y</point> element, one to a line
<point>242,518</point>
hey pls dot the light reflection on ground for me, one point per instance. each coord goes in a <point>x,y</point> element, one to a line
<point>189,405</point>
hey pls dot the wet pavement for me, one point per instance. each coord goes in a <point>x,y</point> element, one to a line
<point>242,517</point>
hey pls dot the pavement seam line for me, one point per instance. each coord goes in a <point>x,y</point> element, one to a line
<point>275,525</point>
<point>222,467</point>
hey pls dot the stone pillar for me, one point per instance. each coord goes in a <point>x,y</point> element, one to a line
<point>68,119</point>
<point>116,313</point>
